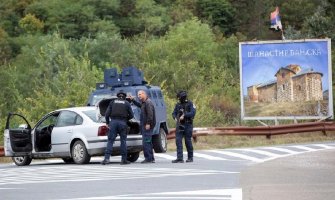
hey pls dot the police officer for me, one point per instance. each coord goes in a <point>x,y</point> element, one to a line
<point>119,111</point>
<point>183,114</point>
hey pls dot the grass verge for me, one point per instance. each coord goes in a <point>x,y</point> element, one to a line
<point>5,160</point>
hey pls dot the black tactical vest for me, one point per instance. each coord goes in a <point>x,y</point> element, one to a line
<point>119,109</point>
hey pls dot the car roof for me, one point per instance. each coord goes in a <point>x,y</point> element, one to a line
<point>80,109</point>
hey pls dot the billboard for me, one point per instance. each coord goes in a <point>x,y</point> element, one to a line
<point>286,79</point>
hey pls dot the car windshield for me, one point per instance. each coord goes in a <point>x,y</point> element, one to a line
<point>94,116</point>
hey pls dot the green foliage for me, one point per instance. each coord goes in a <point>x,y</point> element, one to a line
<point>5,47</point>
<point>71,21</point>
<point>295,12</point>
<point>67,88</point>
<point>218,13</point>
<point>53,52</point>
<point>109,50</point>
<point>181,57</point>
<point>31,24</point>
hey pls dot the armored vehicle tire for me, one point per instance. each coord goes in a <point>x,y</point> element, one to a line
<point>132,157</point>
<point>79,153</point>
<point>22,160</point>
<point>68,160</point>
<point>159,141</point>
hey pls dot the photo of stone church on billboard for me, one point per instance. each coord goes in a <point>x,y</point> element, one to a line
<point>286,79</point>
<point>291,83</point>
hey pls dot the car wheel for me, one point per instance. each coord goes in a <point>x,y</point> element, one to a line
<point>79,153</point>
<point>68,160</point>
<point>22,160</point>
<point>159,141</point>
<point>132,157</point>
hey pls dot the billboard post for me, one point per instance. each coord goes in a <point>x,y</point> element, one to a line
<point>289,79</point>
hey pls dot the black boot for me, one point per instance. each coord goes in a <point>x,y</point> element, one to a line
<point>189,160</point>
<point>178,161</point>
<point>125,162</point>
<point>105,162</point>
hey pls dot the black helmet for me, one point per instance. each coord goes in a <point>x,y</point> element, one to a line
<point>121,94</point>
<point>182,95</point>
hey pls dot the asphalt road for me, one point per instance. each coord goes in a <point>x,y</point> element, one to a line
<point>215,174</point>
<point>300,177</point>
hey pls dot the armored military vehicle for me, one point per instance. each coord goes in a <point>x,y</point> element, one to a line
<point>131,80</point>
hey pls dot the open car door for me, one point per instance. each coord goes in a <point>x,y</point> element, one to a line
<point>18,138</point>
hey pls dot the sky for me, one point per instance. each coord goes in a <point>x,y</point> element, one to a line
<point>261,61</point>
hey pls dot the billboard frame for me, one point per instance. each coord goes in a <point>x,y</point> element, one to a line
<point>298,117</point>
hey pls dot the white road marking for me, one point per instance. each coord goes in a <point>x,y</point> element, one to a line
<point>282,150</point>
<point>11,188</point>
<point>324,146</point>
<point>73,173</point>
<point>262,152</point>
<point>238,155</point>
<point>165,156</point>
<point>208,157</point>
<point>304,148</point>
<point>223,194</point>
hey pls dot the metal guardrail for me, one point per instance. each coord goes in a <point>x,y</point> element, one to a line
<point>267,131</point>
<point>2,151</point>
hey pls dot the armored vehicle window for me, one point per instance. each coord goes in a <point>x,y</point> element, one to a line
<point>160,94</point>
<point>154,95</point>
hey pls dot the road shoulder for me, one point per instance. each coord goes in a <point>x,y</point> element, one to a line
<point>304,176</point>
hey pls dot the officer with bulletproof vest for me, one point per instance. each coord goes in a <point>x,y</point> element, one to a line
<point>183,114</point>
<point>117,115</point>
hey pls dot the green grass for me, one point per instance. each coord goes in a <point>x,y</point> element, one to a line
<point>303,108</point>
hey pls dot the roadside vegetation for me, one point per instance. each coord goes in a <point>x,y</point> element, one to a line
<point>53,52</point>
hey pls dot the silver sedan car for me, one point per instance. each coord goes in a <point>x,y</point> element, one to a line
<point>73,134</point>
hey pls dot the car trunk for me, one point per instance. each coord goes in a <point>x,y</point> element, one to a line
<point>133,124</point>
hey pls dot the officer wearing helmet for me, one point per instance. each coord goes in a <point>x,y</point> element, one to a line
<point>117,114</point>
<point>183,114</point>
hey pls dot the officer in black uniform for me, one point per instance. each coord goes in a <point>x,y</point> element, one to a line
<point>119,111</point>
<point>183,114</point>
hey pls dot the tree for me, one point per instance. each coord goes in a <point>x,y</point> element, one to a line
<point>150,18</point>
<point>11,12</point>
<point>30,24</point>
<point>5,48</point>
<point>71,19</point>
<point>70,87</point>
<point>218,13</point>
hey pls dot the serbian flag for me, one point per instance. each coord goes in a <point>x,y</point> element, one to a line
<point>275,20</point>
